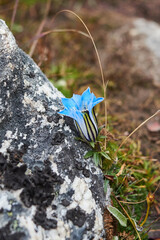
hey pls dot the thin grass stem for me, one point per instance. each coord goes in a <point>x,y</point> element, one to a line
<point>14,13</point>
<point>133,202</point>
<point>97,54</point>
<point>136,130</point>
<point>146,217</point>
<point>61,31</point>
<point>132,222</point>
<point>40,29</point>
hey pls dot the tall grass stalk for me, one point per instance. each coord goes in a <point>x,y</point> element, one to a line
<point>14,12</point>
<point>123,142</point>
<point>89,35</point>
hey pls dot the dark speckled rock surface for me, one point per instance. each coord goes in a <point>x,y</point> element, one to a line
<point>47,189</point>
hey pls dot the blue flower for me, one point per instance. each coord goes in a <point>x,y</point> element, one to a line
<point>81,109</point>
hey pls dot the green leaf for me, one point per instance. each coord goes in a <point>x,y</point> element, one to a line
<point>115,238</point>
<point>106,182</point>
<point>96,158</point>
<point>104,154</point>
<point>92,144</point>
<point>102,137</point>
<point>79,139</point>
<point>118,215</point>
<point>88,154</point>
<point>17,28</point>
<point>154,180</point>
<point>101,127</point>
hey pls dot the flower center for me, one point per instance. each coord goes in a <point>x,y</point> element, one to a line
<point>84,107</point>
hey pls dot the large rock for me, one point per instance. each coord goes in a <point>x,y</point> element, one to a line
<point>47,189</point>
<point>133,51</point>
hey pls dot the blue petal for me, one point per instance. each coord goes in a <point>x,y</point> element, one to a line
<point>86,95</point>
<point>68,103</point>
<point>86,98</point>
<point>77,99</point>
<point>96,101</point>
<point>76,115</point>
<point>66,112</point>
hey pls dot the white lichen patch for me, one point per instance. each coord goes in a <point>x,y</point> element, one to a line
<point>16,195</point>
<point>27,83</point>
<point>36,105</point>
<point>47,89</point>
<point>9,43</point>
<point>82,196</point>
<point>62,232</point>
<point>67,128</point>
<point>35,232</point>
<point>44,122</point>
<point>58,150</point>
<point>98,224</point>
<point>61,121</point>
<point>65,186</point>
<point>31,122</point>
<point>20,145</point>
<point>9,136</point>
<point>54,167</point>
<point>4,203</point>
<point>10,66</point>
<point>24,136</point>
<point>96,171</point>
<point>28,172</point>
<point>39,106</point>
<point>54,107</point>
<point>8,94</point>
<point>49,212</point>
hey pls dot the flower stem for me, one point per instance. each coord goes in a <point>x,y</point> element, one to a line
<point>97,147</point>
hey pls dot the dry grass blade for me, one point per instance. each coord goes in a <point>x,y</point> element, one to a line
<point>133,202</point>
<point>60,31</point>
<point>14,12</point>
<point>97,54</point>
<point>152,223</point>
<point>40,29</point>
<point>136,130</point>
<point>132,222</point>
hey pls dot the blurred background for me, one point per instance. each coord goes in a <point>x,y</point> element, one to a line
<point>127,36</point>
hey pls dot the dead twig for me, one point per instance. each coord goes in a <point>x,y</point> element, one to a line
<point>14,12</point>
<point>40,29</point>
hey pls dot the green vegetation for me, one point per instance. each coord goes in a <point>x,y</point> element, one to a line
<point>133,180</point>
